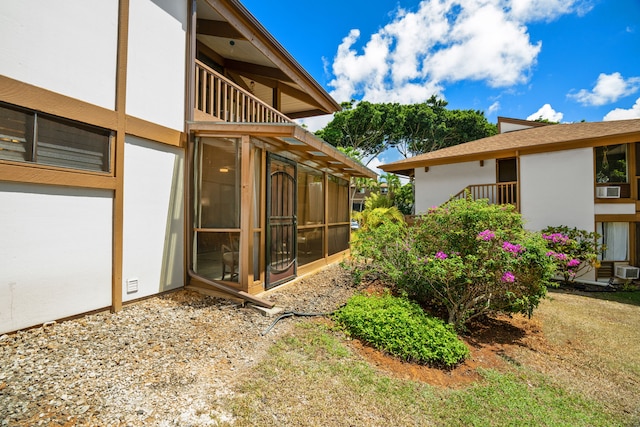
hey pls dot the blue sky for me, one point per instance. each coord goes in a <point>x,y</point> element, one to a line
<point>564,60</point>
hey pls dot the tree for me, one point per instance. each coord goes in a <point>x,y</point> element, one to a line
<point>362,128</point>
<point>412,129</point>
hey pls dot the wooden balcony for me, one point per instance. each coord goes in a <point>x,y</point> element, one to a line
<point>219,99</point>
<point>502,193</point>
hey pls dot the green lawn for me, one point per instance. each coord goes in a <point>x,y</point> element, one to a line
<point>311,378</point>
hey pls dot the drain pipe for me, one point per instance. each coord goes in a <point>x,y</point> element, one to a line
<point>232,291</point>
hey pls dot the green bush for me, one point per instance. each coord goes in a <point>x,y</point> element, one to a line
<point>466,259</point>
<point>401,328</point>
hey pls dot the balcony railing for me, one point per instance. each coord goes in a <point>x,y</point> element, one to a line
<point>501,193</point>
<point>220,99</point>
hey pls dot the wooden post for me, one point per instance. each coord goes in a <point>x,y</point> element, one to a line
<point>246,230</point>
<point>118,198</point>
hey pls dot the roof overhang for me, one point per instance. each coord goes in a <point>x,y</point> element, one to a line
<point>523,142</point>
<point>288,140</point>
<point>256,57</point>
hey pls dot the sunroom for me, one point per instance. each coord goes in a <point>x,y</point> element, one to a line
<point>267,204</point>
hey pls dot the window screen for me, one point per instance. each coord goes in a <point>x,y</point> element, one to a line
<point>27,136</point>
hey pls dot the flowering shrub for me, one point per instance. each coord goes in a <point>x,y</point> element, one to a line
<point>575,251</point>
<point>464,259</point>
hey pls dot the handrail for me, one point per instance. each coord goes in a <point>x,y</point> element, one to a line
<point>220,98</point>
<point>501,193</point>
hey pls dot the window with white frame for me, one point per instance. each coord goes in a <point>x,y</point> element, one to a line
<point>31,136</point>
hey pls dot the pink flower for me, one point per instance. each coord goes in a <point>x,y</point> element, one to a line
<point>486,235</point>
<point>573,263</point>
<point>441,255</point>
<point>508,277</point>
<point>510,247</point>
<point>556,238</point>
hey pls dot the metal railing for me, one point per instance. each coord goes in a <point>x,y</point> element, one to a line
<point>218,97</point>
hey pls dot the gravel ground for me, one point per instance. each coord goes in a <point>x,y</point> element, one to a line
<point>166,361</point>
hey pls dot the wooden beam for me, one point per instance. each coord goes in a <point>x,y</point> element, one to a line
<point>207,51</point>
<point>217,29</point>
<point>48,175</point>
<point>247,68</point>
<point>118,168</point>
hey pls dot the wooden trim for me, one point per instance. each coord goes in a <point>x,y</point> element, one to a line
<point>154,132</point>
<point>631,170</point>
<point>218,230</point>
<point>38,174</point>
<point>617,217</point>
<point>39,99</point>
<point>263,217</point>
<point>606,201</point>
<point>245,212</point>
<point>632,244</point>
<point>118,166</point>
<point>325,244</point>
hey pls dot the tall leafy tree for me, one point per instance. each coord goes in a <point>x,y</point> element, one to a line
<point>412,129</point>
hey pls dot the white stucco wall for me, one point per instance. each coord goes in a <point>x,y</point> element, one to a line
<point>68,47</point>
<point>441,182</point>
<point>55,253</point>
<point>557,189</point>
<point>156,61</point>
<point>615,209</point>
<point>153,249</point>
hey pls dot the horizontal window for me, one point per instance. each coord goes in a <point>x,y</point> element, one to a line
<point>29,136</point>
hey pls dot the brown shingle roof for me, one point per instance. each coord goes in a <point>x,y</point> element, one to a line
<point>534,140</point>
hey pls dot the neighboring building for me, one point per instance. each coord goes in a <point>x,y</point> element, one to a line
<point>583,175</point>
<point>360,194</point>
<point>149,144</point>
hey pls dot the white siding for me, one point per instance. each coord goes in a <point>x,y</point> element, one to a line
<point>56,253</point>
<point>615,208</point>
<point>153,251</point>
<point>441,182</point>
<point>556,188</point>
<point>68,47</point>
<point>156,61</point>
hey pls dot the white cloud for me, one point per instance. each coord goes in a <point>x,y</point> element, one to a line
<point>443,41</point>
<point>493,108</point>
<point>622,114</point>
<point>315,123</point>
<point>548,113</point>
<point>609,88</point>
<point>547,10</point>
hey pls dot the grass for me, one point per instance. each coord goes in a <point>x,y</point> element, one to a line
<point>625,297</point>
<point>312,378</point>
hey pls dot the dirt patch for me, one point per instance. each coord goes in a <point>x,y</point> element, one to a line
<point>587,345</point>
<point>492,345</point>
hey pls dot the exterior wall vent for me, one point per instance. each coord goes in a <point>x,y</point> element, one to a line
<point>132,285</point>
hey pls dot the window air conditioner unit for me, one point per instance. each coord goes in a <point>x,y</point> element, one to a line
<point>608,192</point>
<point>627,272</point>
